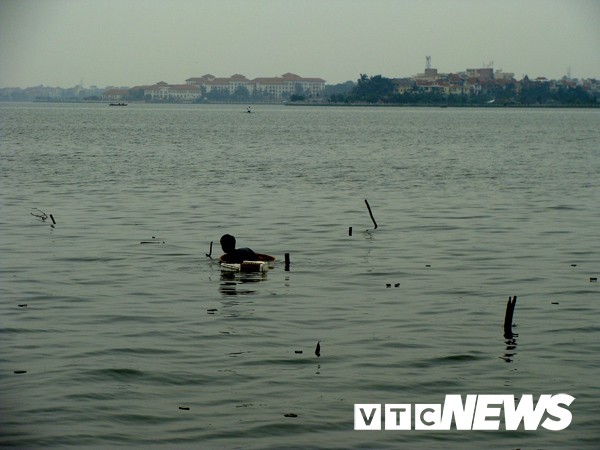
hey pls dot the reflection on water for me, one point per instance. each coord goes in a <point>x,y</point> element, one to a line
<point>232,283</point>
<point>511,347</point>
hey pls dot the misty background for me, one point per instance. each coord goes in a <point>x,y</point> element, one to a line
<point>133,42</point>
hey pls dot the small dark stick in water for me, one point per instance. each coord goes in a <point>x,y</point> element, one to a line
<point>318,349</point>
<point>52,217</point>
<point>287,262</point>
<point>210,251</point>
<point>350,231</point>
<point>371,213</point>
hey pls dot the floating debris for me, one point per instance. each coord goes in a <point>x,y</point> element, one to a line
<point>52,217</point>
<point>19,372</point>
<point>555,303</point>
<point>210,250</point>
<point>153,241</point>
<point>290,415</point>
<point>184,408</point>
<point>349,231</point>
<point>388,285</point>
<point>427,265</point>
<point>318,349</point>
<point>42,215</point>
<point>212,310</point>
<point>593,279</point>
<point>397,285</point>
<point>22,305</point>
<point>298,352</point>
<point>573,265</point>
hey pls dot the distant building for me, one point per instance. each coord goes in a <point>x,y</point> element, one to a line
<point>403,85</point>
<point>274,88</point>
<point>199,81</point>
<point>115,95</point>
<point>500,75</point>
<point>429,74</point>
<point>485,73</point>
<point>158,92</point>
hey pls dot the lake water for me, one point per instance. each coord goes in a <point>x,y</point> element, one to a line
<point>132,345</point>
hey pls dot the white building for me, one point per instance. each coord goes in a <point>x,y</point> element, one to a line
<point>163,92</point>
<point>267,88</point>
<point>277,88</point>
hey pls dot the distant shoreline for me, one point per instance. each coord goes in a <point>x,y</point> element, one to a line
<point>443,105</point>
<point>334,105</point>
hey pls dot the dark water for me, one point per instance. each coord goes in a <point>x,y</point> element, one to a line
<point>117,336</point>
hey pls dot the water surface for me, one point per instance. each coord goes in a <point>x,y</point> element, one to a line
<point>472,206</point>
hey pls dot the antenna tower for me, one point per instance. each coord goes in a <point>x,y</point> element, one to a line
<point>428,64</point>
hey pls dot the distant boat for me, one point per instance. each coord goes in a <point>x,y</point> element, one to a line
<point>118,104</point>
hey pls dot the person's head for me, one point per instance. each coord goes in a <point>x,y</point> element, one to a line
<point>227,243</point>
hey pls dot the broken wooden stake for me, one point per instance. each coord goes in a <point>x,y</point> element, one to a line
<point>371,213</point>
<point>508,317</point>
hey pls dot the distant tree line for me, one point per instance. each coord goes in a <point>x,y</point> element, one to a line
<point>381,90</point>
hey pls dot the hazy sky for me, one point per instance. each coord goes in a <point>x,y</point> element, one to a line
<point>133,42</point>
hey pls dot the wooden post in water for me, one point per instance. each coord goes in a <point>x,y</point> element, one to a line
<point>287,262</point>
<point>508,317</point>
<point>371,213</point>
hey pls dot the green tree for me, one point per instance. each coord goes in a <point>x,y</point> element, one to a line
<point>218,95</point>
<point>534,92</point>
<point>241,94</point>
<point>338,89</point>
<point>372,90</point>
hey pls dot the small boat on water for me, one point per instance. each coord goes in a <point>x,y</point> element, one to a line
<point>118,104</point>
<point>263,264</point>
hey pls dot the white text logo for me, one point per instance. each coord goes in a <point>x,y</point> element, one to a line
<point>477,412</point>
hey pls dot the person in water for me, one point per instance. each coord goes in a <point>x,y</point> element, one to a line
<point>235,255</point>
